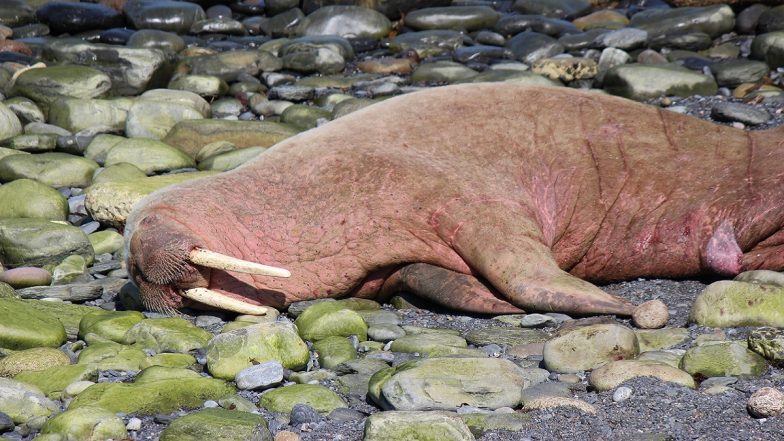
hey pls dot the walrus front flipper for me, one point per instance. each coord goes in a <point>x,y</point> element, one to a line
<point>503,242</point>
<point>446,288</point>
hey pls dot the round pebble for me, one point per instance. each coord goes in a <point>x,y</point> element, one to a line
<point>134,424</point>
<point>652,314</point>
<point>766,402</point>
<point>621,394</point>
<point>302,414</point>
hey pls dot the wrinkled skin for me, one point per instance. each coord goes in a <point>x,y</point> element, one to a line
<point>484,198</point>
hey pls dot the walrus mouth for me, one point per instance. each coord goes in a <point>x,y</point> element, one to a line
<point>216,299</point>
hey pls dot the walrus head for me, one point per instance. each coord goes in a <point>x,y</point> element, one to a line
<point>172,269</point>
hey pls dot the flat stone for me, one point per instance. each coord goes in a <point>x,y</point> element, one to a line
<point>466,18</point>
<point>641,82</point>
<point>612,374</point>
<point>739,112</point>
<point>733,303</point>
<point>314,395</point>
<point>75,114</point>
<point>73,18</point>
<point>723,359</point>
<point>391,426</point>
<point>712,20</point>
<point>260,376</point>
<point>192,135</point>
<point>223,424</point>
<point>345,21</point>
<point>39,242</point>
<point>588,347</point>
<point>170,16</point>
<point>442,72</point>
<point>50,84</point>
<point>529,47</point>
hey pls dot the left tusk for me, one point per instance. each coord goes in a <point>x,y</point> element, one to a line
<point>211,259</point>
<point>222,301</point>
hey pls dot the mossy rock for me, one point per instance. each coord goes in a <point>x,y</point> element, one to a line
<point>326,319</point>
<point>86,424</point>
<point>111,325</point>
<point>29,198</point>
<point>413,425</point>
<point>333,351</point>
<point>54,380</point>
<point>217,424</point>
<point>730,304</point>
<point>38,242</point>
<point>314,395</point>
<point>169,334</point>
<point>109,355</point>
<point>33,359</point>
<point>22,327</point>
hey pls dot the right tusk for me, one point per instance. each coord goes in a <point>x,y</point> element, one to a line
<point>211,259</point>
<point>222,301</point>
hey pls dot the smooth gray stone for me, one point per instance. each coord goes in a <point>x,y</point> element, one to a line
<point>747,19</point>
<point>155,39</point>
<point>466,18</point>
<point>514,24</point>
<point>75,292</point>
<point>692,41</point>
<point>739,112</point>
<point>771,20</point>
<point>553,8</point>
<point>626,38</point>
<point>282,24</point>
<point>642,82</point>
<point>345,21</point>
<point>734,72</point>
<point>712,20</point>
<point>482,54</point>
<point>532,46</point>
<point>581,40</point>
<point>260,376</point>
<point>163,15</point>
<point>426,42</point>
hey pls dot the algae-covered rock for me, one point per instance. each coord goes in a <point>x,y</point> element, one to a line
<point>723,359</point>
<point>217,424</point>
<point>109,355</point>
<point>22,327</point>
<point>768,342</point>
<point>152,397</point>
<point>33,359</point>
<point>587,347</point>
<point>233,351</point>
<point>447,383</point>
<point>38,242</point>
<point>654,339</point>
<point>412,425</point>
<point>169,334</point>
<point>89,423</point>
<point>334,350</point>
<point>106,241</point>
<point>22,401</point>
<point>191,135</point>
<point>729,304</point>
<point>53,381</point>
<point>314,395</point>
<point>111,325</point>
<point>325,319</point>
<point>614,373</point>
<point>434,344</point>
<point>32,199</point>
<point>181,361</point>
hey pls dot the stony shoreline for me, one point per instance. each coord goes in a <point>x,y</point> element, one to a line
<point>104,102</point>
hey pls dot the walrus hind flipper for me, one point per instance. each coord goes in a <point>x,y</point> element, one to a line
<point>502,242</point>
<point>446,288</point>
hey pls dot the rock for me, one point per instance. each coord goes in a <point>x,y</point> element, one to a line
<point>446,383</point>
<point>345,21</point>
<point>106,241</point>
<point>202,85</point>
<point>54,169</point>
<point>334,350</point>
<point>769,48</point>
<point>652,314</point>
<point>111,202</point>
<point>166,15</point>
<point>768,342</point>
<point>149,155</point>
<point>723,359</point>
<point>228,425</point>
<point>739,112</point>
<point>731,73</point>
<point>155,39</point>
<point>39,242</point>
<point>169,334</point>
<point>86,423</point>
<point>314,58</point>
<point>230,160</point>
<point>152,118</point>
<point>763,277</point>
<point>426,43</point>
<point>391,426</point>
<point>514,24</point>
<point>304,116</point>
<point>442,72</point>
<point>67,272</point>
<point>433,343</point>
<point>107,355</point>
<point>314,395</point>
<point>588,347</point>
<point>612,374</point>
<point>480,423</point>
<point>71,292</point>
<point>33,143</point>
<point>529,47</point>
<point>231,352</point>
<point>33,359</point>
<point>49,84</point>
<point>642,82</point>
<point>325,319</point>
<point>465,18</point>
<point>32,117</point>
<point>229,66</point>
<point>770,20</point>
<point>623,393</point>
<point>131,70</point>
<point>73,18</point>
<point>711,20</point>
<point>75,114</point>
<point>10,125</point>
<point>111,325</point>
<point>54,381</point>
<point>25,277</point>
<point>555,402</point>
<point>566,69</point>
<point>506,336</point>
<point>192,135</point>
<point>655,339</point>
<point>260,376</point>
<point>22,402</point>
<point>766,402</point>
<point>729,303</point>
<point>180,361</point>
<point>553,8</point>
<point>154,396</point>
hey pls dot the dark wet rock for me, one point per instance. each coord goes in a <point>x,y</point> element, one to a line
<point>739,112</point>
<point>31,30</point>
<point>531,46</point>
<point>118,36</point>
<point>426,43</point>
<point>627,38</point>
<point>771,20</point>
<point>514,24</point>
<point>72,18</point>
<point>163,15</point>
<point>746,21</point>
<point>693,41</point>
<point>711,20</point>
<point>482,54</point>
<point>323,54</point>
<point>580,40</point>
<point>735,72</point>
<point>16,13</point>
<point>228,66</point>
<point>769,48</point>
<point>218,25</point>
<point>553,8</point>
<point>274,7</point>
<point>345,21</point>
<point>467,18</point>
<point>642,82</point>
<point>281,24</point>
<point>391,8</point>
<point>154,39</point>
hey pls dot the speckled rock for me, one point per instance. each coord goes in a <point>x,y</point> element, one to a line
<point>723,359</point>
<point>589,347</point>
<point>614,373</point>
<point>733,303</point>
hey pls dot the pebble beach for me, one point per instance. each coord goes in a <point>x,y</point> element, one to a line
<point>104,102</point>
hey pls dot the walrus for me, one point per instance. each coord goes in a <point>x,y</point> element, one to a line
<point>486,198</point>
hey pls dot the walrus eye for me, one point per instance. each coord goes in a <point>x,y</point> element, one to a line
<point>211,259</point>
<point>221,301</point>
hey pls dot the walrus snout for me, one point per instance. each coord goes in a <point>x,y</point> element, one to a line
<point>169,266</point>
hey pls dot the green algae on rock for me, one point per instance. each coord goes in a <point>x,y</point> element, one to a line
<point>217,424</point>
<point>23,327</point>
<point>53,381</point>
<point>614,373</point>
<point>723,359</point>
<point>33,359</point>
<point>89,423</point>
<point>314,395</point>
<point>325,319</point>
<point>167,334</point>
<point>29,198</point>
<point>731,303</point>
<point>111,325</point>
<point>414,425</point>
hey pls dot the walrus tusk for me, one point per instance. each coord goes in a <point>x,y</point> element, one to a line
<point>221,301</point>
<point>211,259</point>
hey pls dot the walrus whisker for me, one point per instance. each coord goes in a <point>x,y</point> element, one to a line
<point>211,259</point>
<point>222,301</point>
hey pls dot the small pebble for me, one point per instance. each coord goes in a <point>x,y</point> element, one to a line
<point>652,314</point>
<point>766,402</point>
<point>303,414</point>
<point>623,393</point>
<point>134,424</point>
